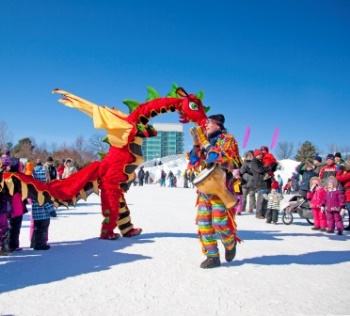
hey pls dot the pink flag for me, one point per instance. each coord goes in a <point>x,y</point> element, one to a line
<point>274,138</point>
<point>246,136</point>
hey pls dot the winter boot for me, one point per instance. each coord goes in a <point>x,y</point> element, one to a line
<point>210,262</point>
<point>5,249</point>
<point>133,232</point>
<point>230,254</point>
<point>40,233</point>
<point>42,247</point>
<point>15,228</point>
<point>32,241</point>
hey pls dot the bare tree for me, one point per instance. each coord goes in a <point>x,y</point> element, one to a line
<point>284,150</point>
<point>345,151</point>
<point>332,148</point>
<point>5,137</point>
<point>97,144</point>
<point>80,149</point>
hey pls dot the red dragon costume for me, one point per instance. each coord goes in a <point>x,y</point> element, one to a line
<point>112,176</point>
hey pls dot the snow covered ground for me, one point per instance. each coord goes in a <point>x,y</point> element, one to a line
<point>278,270</point>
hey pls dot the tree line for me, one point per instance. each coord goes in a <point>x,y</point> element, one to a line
<point>85,150</point>
<point>82,151</point>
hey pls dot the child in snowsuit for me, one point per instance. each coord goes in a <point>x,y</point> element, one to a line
<point>269,162</point>
<point>288,187</point>
<point>237,188</point>
<point>273,203</point>
<point>40,216</point>
<point>316,196</point>
<point>333,204</point>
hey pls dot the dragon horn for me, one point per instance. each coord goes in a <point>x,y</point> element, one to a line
<point>181,92</point>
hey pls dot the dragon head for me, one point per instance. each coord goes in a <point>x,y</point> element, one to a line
<point>191,109</point>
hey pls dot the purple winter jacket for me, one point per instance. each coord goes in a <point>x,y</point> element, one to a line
<point>334,200</point>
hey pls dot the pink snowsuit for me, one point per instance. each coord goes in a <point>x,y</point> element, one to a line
<point>316,198</point>
<point>333,201</point>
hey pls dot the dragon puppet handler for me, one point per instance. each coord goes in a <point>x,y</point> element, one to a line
<point>112,176</point>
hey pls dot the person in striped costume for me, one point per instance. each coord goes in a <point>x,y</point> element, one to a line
<point>213,145</point>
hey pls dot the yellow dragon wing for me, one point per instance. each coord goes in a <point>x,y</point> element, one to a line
<point>112,120</point>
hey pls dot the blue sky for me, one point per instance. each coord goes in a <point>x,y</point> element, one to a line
<point>263,64</point>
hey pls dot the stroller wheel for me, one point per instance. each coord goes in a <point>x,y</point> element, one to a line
<point>310,221</point>
<point>287,218</point>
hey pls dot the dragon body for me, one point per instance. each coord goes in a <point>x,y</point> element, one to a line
<point>112,176</point>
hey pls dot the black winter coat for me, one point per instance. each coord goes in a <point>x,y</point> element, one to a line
<point>247,174</point>
<point>259,170</point>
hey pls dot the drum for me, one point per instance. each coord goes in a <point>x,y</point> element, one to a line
<point>213,181</point>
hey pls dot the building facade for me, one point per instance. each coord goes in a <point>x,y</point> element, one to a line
<point>169,141</point>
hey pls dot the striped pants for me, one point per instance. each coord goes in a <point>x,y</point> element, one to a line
<point>213,219</point>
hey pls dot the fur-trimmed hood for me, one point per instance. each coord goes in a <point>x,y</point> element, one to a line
<point>318,179</point>
<point>333,180</point>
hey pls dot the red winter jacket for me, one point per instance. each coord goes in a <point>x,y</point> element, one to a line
<point>268,159</point>
<point>344,178</point>
<point>316,198</point>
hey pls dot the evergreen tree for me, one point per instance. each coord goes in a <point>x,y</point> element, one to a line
<point>307,150</point>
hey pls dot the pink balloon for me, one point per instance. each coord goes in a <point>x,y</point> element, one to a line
<point>246,136</point>
<point>274,138</point>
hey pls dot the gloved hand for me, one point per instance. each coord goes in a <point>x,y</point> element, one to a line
<point>212,157</point>
<point>203,141</point>
<point>193,132</point>
<point>342,212</point>
<point>313,188</point>
<point>322,209</point>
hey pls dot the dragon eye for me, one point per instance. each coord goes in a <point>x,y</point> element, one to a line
<point>193,106</point>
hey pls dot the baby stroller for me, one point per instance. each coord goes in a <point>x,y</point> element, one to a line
<point>299,205</point>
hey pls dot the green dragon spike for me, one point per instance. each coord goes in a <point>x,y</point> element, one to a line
<point>200,95</point>
<point>152,94</point>
<point>131,104</point>
<point>172,92</point>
